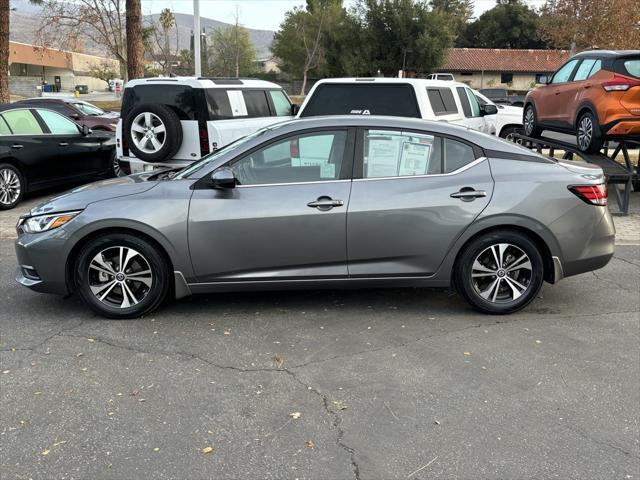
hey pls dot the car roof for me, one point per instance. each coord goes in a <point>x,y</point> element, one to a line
<point>205,82</point>
<point>416,82</point>
<point>43,99</point>
<point>607,53</point>
<point>483,140</point>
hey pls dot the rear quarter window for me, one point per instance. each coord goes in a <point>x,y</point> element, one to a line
<point>632,67</point>
<point>442,101</point>
<point>362,99</point>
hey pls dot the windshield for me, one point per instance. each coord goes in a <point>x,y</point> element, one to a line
<point>88,109</point>
<point>212,157</point>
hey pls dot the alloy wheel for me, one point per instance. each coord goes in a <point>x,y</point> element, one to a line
<point>120,277</point>
<point>529,121</point>
<point>9,186</point>
<point>117,171</point>
<point>148,132</point>
<point>585,132</point>
<point>501,273</point>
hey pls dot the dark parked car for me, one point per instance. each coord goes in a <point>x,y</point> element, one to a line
<point>326,202</point>
<point>40,148</point>
<point>79,111</point>
<point>502,95</point>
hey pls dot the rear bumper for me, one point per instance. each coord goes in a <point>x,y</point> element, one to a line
<point>623,127</point>
<point>135,165</point>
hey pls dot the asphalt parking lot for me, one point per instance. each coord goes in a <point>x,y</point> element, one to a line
<point>406,384</point>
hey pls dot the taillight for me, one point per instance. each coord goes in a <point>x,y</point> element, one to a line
<point>592,194</point>
<point>620,84</point>
<point>204,141</point>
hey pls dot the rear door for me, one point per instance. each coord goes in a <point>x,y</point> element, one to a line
<point>415,195</point>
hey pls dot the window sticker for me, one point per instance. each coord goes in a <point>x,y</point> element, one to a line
<point>383,155</point>
<point>414,159</point>
<point>238,107</point>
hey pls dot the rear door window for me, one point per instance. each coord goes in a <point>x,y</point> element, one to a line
<point>257,103</point>
<point>632,67</point>
<point>363,99</point>
<point>583,70</point>
<point>22,122</point>
<point>442,101</point>
<point>218,104</point>
<point>400,154</point>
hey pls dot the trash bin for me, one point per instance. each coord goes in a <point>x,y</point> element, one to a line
<point>82,89</point>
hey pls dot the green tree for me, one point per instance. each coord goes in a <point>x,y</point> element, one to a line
<point>103,70</point>
<point>231,52</point>
<point>394,30</point>
<point>510,24</point>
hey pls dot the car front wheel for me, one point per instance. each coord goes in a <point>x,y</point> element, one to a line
<point>11,186</point>
<point>499,273</point>
<point>121,276</point>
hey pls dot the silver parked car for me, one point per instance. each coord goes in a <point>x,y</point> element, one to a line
<point>326,202</point>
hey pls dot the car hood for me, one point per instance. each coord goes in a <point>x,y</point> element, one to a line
<point>109,115</point>
<point>79,198</point>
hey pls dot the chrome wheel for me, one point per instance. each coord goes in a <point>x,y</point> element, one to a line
<point>120,277</point>
<point>501,273</point>
<point>148,132</point>
<point>585,132</point>
<point>529,121</point>
<point>117,171</point>
<point>9,186</point>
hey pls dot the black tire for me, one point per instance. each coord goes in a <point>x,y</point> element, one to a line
<point>473,289</point>
<point>170,139</point>
<point>531,129</point>
<point>508,131</point>
<point>588,134</point>
<point>10,179</point>
<point>115,170</point>
<point>113,305</point>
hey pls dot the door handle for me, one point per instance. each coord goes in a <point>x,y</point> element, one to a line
<point>63,144</point>
<point>325,203</point>
<point>17,146</point>
<point>468,194</point>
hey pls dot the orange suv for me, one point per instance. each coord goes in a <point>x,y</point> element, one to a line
<point>595,95</point>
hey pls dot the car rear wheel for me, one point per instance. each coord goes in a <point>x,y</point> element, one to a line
<point>11,186</point>
<point>500,273</point>
<point>121,276</point>
<point>153,132</point>
<point>530,122</point>
<point>507,133</point>
<point>588,135</point>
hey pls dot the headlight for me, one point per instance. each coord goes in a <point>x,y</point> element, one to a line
<point>43,223</point>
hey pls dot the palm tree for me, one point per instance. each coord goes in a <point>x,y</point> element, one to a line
<point>5,13</point>
<point>135,40</point>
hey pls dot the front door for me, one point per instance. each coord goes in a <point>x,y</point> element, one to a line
<point>416,195</point>
<point>471,109</point>
<point>286,218</point>
<point>557,95</point>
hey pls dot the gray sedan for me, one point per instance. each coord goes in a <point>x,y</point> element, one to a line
<point>326,202</point>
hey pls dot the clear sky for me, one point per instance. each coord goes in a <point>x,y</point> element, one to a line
<point>261,14</point>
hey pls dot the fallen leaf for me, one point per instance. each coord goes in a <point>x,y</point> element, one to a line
<point>207,450</point>
<point>134,392</point>
<point>37,393</point>
<point>141,399</point>
<point>110,413</point>
<point>91,339</point>
<point>278,360</point>
<point>339,404</point>
<point>84,369</point>
<point>46,452</point>
<point>227,332</point>
<point>538,341</point>
<point>467,354</point>
<point>310,443</point>
<point>6,371</point>
<point>68,391</point>
<point>79,354</point>
<point>156,449</point>
<point>62,442</point>
<point>295,415</point>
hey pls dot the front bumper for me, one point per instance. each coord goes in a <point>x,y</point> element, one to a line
<point>42,262</point>
<point>135,165</point>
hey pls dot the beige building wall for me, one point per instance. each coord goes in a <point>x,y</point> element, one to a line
<point>521,81</point>
<point>82,63</point>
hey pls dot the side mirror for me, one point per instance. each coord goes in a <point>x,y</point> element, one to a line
<point>85,130</point>
<point>544,80</point>
<point>488,109</point>
<point>75,116</point>
<point>223,177</point>
<point>294,109</point>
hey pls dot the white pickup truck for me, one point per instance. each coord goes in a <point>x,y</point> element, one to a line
<point>440,100</point>
<point>175,121</point>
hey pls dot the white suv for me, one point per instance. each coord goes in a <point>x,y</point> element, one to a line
<point>175,121</point>
<point>440,100</point>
